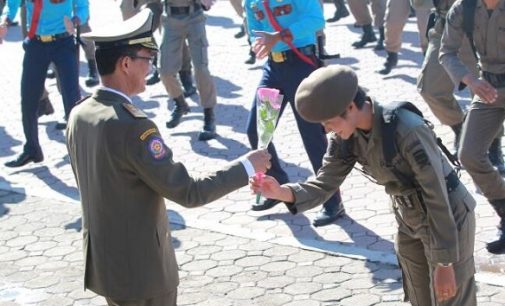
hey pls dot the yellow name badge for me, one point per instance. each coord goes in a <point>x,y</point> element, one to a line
<point>278,57</point>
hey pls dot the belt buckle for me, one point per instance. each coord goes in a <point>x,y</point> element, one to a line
<point>277,57</point>
<point>46,38</point>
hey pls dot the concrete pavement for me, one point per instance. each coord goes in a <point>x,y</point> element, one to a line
<point>41,264</point>
<point>366,233</point>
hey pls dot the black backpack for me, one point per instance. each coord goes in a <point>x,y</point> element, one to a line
<point>390,123</point>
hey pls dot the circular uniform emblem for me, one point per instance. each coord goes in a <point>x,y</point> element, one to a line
<point>156,148</point>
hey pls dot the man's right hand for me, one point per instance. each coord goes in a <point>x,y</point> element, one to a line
<point>260,159</point>
<point>481,88</point>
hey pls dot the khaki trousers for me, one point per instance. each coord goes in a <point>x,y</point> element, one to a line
<point>176,30</point>
<point>397,13</point>
<point>169,299</point>
<point>359,9</point>
<point>435,85</point>
<point>417,268</point>
<point>89,45</point>
<point>483,123</point>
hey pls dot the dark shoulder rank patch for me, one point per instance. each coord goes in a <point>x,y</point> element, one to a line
<point>82,100</point>
<point>134,111</point>
<point>421,158</point>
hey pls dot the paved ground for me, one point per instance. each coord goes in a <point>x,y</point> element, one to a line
<point>367,231</point>
<point>41,264</point>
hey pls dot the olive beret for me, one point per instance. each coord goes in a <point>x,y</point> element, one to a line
<point>326,93</point>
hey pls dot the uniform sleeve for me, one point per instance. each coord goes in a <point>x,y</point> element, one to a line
<point>330,176</point>
<point>153,162</point>
<point>452,39</point>
<point>421,152</point>
<point>251,22</point>
<point>311,19</point>
<point>81,10</point>
<point>12,7</point>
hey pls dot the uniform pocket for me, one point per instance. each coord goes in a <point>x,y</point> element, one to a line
<point>462,203</point>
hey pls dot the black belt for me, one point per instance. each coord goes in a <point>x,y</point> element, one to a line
<point>451,182</point>
<point>183,10</point>
<point>51,38</point>
<point>283,56</point>
<point>495,79</point>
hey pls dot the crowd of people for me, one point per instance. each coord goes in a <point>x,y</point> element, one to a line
<point>124,169</point>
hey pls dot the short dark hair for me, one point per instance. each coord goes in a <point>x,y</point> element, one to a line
<point>107,58</point>
<point>359,100</point>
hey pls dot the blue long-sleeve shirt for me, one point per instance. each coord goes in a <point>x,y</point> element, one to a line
<point>302,17</point>
<point>51,17</point>
<point>11,9</point>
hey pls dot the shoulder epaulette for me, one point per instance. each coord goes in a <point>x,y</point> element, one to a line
<point>82,100</point>
<point>134,111</point>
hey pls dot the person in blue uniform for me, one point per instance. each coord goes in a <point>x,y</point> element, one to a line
<point>48,41</point>
<point>298,21</point>
<point>8,13</point>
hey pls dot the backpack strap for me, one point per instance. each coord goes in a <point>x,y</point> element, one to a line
<point>468,22</point>
<point>389,147</point>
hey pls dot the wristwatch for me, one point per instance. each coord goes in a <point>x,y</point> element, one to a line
<point>445,265</point>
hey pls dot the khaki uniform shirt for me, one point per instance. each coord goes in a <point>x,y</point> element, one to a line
<point>418,158</point>
<point>488,36</point>
<point>124,170</point>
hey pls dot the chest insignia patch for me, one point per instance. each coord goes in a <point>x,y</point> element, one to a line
<point>282,10</point>
<point>156,147</point>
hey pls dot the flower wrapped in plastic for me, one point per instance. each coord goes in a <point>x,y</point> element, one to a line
<point>268,106</point>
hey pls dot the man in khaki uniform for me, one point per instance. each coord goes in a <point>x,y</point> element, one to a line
<point>360,11</point>
<point>397,14</point>
<point>485,118</point>
<point>181,20</point>
<point>436,222</point>
<point>124,170</point>
<point>436,87</point>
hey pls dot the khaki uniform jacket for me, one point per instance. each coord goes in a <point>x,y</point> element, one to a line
<point>488,35</point>
<point>124,170</point>
<point>419,158</point>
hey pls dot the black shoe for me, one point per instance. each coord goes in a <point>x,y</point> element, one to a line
<point>264,204</point>
<point>335,18</point>
<point>45,107</point>
<point>23,159</point>
<point>186,78</point>
<point>181,108</point>
<point>61,125</point>
<point>209,126</point>
<point>153,79</point>
<point>367,37</point>
<point>188,92</point>
<point>497,247</point>
<point>92,79</point>
<point>326,217</point>
<point>241,33</point>
<point>380,42</point>
<point>391,62</point>
<point>50,74</point>
<point>251,60</point>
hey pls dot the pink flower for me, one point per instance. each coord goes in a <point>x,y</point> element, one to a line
<point>270,95</point>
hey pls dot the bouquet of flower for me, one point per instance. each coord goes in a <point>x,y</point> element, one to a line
<point>268,106</point>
